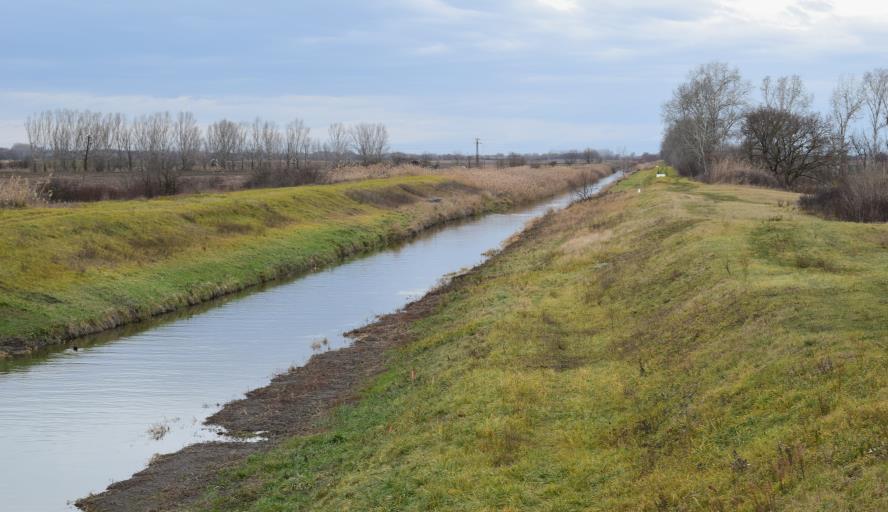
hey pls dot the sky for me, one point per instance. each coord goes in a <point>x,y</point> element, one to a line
<point>522,75</point>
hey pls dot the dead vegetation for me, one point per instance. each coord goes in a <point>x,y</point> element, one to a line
<point>858,197</point>
<point>20,192</point>
<point>738,172</point>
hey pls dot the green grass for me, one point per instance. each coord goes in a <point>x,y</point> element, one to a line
<point>689,347</point>
<point>68,271</point>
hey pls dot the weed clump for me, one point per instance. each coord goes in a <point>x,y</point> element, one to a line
<point>20,192</point>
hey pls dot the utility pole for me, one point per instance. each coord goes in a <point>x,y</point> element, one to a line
<point>477,152</point>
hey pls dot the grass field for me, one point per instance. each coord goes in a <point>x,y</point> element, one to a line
<point>68,271</point>
<point>685,347</point>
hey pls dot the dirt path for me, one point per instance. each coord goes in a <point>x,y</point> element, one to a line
<point>292,404</point>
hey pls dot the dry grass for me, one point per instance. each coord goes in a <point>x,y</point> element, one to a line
<point>360,172</point>
<point>738,172</point>
<point>525,184</point>
<point>520,184</point>
<point>858,197</point>
<point>20,192</point>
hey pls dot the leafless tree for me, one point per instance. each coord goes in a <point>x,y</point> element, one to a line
<point>36,137</point>
<point>791,145</point>
<point>585,186</point>
<point>786,94</point>
<point>337,143</point>
<point>154,140</point>
<point>874,91</point>
<point>845,105</point>
<point>126,143</point>
<point>272,141</point>
<point>591,156</point>
<point>369,141</point>
<point>187,139</point>
<point>61,134</point>
<point>254,142</point>
<point>225,141</point>
<point>86,132</point>
<point>707,108</point>
<point>298,141</point>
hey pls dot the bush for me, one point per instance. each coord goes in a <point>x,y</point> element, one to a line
<point>730,170</point>
<point>858,197</point>
<point>19,192</point>
<point>266,177</point>
<point>74,190</point>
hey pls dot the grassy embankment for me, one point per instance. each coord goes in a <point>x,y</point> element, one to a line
<point>68,271</point>
<point>691,347</point>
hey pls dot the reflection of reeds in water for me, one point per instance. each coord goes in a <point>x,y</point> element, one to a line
<point>158,431</point>
<point>317,344</point>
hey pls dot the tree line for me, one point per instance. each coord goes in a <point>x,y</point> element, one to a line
<point>712,116</point>
<point>162,144</point>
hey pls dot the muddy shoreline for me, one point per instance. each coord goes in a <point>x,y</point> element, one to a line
<point>294,403</point>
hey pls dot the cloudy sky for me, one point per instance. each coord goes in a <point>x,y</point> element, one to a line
<point>524,75</point>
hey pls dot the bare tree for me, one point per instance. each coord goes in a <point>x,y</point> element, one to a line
<point>126,143</point>
<point>187,139</point>
<point>591,156</point>
<point>154,140</point>
<point>337,143</point>
<point>61,133</point>
<point>787,94</point>
<point>845,105</point>
<point>272,142</point>
<point>707,107</point>
<point>874,91</point>
<point>370,142</point>
<point>254,142</point>
<point>86,134</point>
<point>791,145</point>
<point>36,137</point>
<point>298,141</point>
<point>225,141</point>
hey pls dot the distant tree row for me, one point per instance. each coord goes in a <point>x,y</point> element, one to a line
<point>163,144</point>
<point>712,116</point>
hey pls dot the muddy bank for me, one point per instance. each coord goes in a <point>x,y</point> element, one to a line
<point>292,404</point>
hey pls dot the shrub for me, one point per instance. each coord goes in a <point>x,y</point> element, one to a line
<point>74,190</point>
<point>266,177</point>
<point>19,192</point>
<point>858,197</point>
<point>731,170</point>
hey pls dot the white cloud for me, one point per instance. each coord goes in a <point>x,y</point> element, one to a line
<point>642,28</point>
<point>432,49</point>
<point>440,9</point>
<point>560,5</point>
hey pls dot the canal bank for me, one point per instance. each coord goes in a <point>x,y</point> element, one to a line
<point>84,419</point>
<point>81,269</point>
<point>671,345</point>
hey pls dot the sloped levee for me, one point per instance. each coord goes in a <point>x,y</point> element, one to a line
<point>106,409</point>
